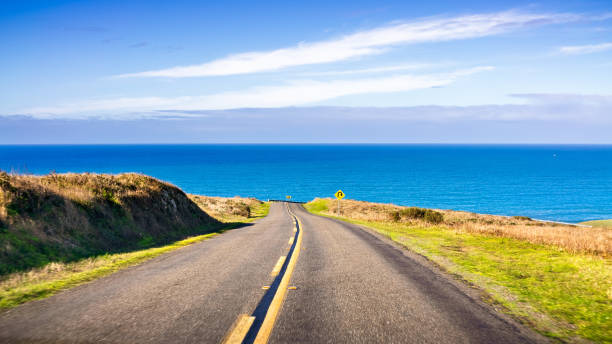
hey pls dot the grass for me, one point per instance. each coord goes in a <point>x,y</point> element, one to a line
<point>564,295</point>
<point>230,209</point>
<point>41,282</point>
<point>261,211</point>
<point>54,277</point>
<point>68,217</point>
<point>575,239</point>
<point>598,223</point>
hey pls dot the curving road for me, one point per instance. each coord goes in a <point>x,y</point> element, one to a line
<point>348,286</point>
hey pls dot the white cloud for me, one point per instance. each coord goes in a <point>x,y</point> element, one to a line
<point>394,68</point>
<point>585,49</point>
<point>296,93</point>
<point>551,108</point>
<point>369,42</point>
<point>539,110</point>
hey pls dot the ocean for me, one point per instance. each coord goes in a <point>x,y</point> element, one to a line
<point>569,183</point>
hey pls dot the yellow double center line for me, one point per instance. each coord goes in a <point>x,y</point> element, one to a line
<point>244,322</point>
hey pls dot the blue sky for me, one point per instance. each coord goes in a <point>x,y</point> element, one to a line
<point>145,71</point>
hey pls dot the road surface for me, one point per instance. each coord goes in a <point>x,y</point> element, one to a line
<point>338,284</point>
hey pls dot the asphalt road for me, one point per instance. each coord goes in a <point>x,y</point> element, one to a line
<point>352,286</point>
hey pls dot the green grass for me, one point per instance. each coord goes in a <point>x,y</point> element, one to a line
<point>43,282</point>
<point>562,295</point>
<point>79,273</point>
<point>599,223</point>
<point>70,217</point>
<point>317,206</point>
<point>260,211</point>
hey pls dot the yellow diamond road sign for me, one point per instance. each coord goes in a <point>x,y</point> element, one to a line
<point>339,194</point>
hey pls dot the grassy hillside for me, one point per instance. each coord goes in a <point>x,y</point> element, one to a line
<point>65,217</point>
<point>557,278</point>
<point>575,239</point>
<point>59,231</point>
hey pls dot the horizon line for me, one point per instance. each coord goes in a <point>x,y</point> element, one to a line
<point>315,143</point>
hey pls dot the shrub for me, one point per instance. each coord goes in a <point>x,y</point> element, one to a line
<point>432,216</point>
<point>413,212</point>
<point>396,216</point>
<point>241,209</point>
<point>146,241</point>
<point>428,215</point>
<point>522,218</point>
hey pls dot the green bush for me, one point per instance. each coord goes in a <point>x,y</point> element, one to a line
<point>146,241</point>
<point>432,216</point>
<point>413,213</point>
<point>428,215</point>
<point>396,216</point>
<point>242,210</point>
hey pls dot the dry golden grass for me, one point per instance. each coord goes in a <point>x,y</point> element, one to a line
<point>227,209</point>
<point>82,188</point>
<point>594,240</point>
<point>67,217</point>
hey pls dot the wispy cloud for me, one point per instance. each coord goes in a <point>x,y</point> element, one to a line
<point>363,43</point>
<point>296,93</point>
<point>385,69</point>
<point>585,49</point>
<point>537,107</point>
<point>542,118</point>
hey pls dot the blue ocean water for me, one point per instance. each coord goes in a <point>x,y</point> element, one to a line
<point>569,183</point>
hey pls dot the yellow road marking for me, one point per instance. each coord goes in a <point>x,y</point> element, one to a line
<point>291,240</point>
<point>239,330</point>
<point>278,266</point>
<point>268,323</point>
<point>293,287</point>
<point>265,287</point>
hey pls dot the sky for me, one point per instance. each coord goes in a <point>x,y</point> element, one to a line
<point>320,72</point>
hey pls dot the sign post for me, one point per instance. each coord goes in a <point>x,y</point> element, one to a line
<point>339,195</point>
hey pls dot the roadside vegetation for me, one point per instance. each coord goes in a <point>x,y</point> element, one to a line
<point>557,278</point>
<point>59,231</point>
<point>236,209</point>
<point>598,223</point>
